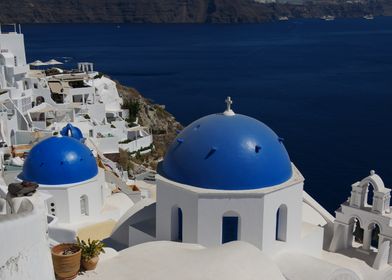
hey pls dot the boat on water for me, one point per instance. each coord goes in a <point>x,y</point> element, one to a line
<point>368,17</point>
<point>328,18</point>
<point>283,18</point>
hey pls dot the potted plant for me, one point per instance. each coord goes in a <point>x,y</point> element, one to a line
<point>90,252</point>
<point>66,260</point>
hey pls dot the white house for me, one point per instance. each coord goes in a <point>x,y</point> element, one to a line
<point>34,100</point>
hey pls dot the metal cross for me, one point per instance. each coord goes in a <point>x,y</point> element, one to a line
<point>228,102</point>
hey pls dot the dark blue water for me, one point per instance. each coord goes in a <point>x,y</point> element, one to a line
<point>326,87</point>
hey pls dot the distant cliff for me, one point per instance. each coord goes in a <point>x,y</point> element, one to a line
<point>180,11</point>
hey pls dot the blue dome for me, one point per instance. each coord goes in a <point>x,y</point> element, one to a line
<point>72,131</point>
<point>59,160</point>
<point>227,153</point>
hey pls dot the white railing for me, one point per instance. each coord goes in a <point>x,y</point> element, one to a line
<point>81,91</point>
<point>137,144</point>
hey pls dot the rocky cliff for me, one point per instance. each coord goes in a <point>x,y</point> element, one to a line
<point>180,11</point>
<point>162,124</point>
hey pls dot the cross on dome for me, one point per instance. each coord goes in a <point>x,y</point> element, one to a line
<point>228,102</point>
<point>228,111</point>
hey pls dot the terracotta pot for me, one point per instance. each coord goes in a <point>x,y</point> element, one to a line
<point>66,266</point>
<point>90,264</point>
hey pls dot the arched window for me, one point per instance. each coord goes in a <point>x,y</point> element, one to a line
<point>357,231</point>
<point>176,224</point>
<point>369,195</point>
<point>281,223</point>
<point>375,228</point>
<point>39,100</point>
<point>84,205</point>
<point>230,227</point>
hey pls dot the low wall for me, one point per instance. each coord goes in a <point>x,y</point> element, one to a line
<point>138,144</point>
<point>24,252</point>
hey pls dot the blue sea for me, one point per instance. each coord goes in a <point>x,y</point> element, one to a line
<point>325,87</point>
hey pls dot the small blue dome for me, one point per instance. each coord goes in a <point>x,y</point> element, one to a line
<point>227,153</point>
<point>72,131</point>
<point>59,160</point>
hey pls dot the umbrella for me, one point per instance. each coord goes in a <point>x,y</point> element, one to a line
<point>37,63</point>
<point>53,62</point>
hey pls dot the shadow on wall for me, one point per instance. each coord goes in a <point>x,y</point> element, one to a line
<point>138,217</point>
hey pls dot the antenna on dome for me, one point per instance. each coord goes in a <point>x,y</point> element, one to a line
<point>228,111</point>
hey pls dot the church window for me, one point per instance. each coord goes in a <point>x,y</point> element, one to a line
<point>357,230</point>
<point>177,224</point>
<point>281,223</point>
<point>375,232</point>
<point>84,205</point>
<point>370,195</point>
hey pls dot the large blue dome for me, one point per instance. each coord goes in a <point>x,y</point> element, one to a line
<point>227,153</point>
<point>59,160</point>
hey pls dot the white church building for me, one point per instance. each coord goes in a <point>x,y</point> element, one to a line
<point>229,177</point>
<point>80,198</point>
<point>70,176</point>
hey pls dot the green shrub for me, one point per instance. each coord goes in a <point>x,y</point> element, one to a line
<point>91,249</point>
<point>133,108</point>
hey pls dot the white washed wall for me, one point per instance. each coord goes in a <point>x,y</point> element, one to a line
<point>24,250</point>
<point>137,144</point>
